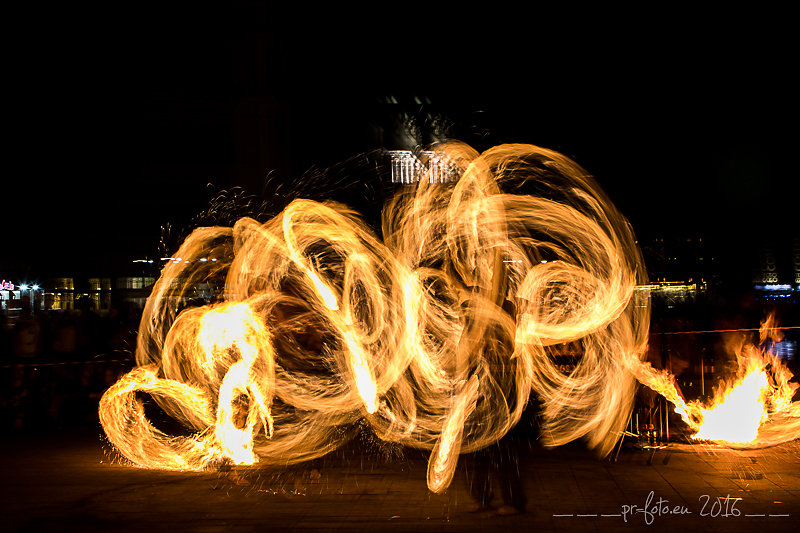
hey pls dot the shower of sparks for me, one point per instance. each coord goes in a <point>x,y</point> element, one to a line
<point>436,336</point>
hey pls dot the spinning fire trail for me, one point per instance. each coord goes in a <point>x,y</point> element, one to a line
<point>435,336</point>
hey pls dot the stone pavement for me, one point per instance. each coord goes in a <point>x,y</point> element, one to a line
<point>74,482</point>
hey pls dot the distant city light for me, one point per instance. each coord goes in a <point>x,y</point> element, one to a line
<point>773,287</point>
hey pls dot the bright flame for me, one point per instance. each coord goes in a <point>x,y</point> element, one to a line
<point>739,413</point>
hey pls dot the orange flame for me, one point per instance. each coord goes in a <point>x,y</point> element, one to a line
<point>754,409</point>
<point>738,413</point>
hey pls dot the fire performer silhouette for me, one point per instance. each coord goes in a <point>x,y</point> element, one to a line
<point>498,463</point>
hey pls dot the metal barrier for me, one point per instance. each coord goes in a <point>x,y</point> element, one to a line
<point>647,428</point>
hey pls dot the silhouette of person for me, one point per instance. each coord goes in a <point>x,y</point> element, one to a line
<point>498,464</point>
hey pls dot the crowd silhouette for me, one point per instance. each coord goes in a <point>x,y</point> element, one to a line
<point>55,365</point>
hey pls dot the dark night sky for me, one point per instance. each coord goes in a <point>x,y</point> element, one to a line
<point>687,127</point>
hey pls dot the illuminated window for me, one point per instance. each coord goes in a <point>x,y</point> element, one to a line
<point>99,284</point>
<point>63,284</point>
<point>101,301</point>
<point>63,300</point>
<point>135,282</point>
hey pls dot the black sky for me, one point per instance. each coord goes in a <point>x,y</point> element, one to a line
<point>689,127</point>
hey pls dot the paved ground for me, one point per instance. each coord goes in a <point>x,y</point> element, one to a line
<point>74,482</point>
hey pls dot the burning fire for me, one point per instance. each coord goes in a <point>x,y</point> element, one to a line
<point>754,409</point>
<point>738,414</point>
<point>436,336</point>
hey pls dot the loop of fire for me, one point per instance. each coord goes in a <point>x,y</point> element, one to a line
<point>436,336</point>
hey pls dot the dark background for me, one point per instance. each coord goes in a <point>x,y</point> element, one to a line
<point>127,118</point>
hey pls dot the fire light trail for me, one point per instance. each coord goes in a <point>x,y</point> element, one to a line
<point>436,336</point>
